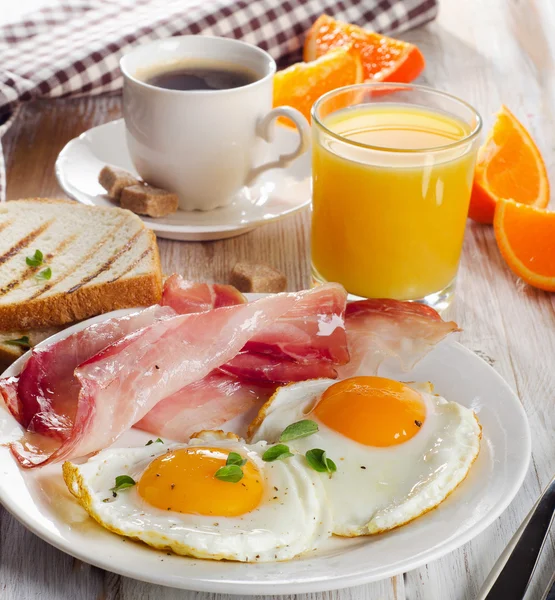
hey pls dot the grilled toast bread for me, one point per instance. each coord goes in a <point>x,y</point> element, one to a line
<point>90,260</point>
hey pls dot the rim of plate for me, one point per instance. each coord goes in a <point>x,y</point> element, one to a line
<point>333,582</point>
<point>68,188</point>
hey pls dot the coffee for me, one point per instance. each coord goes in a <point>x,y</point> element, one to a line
<point>208,75</point>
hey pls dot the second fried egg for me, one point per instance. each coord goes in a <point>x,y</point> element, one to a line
<point>399,449</point>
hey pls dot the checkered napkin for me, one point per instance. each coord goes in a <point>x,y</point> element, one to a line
<point>73,48</point>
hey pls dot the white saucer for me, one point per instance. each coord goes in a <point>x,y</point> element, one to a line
<point>276,194</point>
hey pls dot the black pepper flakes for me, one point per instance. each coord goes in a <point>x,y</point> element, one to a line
<point>362,467</point>
<point>156,367</point>
<point>418,423</point>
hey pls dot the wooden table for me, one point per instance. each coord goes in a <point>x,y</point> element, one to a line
<point>486,52</point>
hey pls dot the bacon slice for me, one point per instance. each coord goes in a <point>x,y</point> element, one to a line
<point>120,384</point>
<point>8,393</point>
<point>248,379</point>
<point>313,331</point>
<point>303,344</point>
<point>190,297</point>
<point>265,368</point>
<point>47,388</point>
<point>205,404</point>
<point>380,328</point>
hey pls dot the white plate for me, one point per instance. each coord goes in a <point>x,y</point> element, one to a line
<point>276,194</point>
<point>41,502</point>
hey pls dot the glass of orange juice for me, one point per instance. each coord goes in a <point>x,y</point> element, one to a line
<point>392,172</point>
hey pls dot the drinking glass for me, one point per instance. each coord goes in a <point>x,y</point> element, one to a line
<point>388,219</point>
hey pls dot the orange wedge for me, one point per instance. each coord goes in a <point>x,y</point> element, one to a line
<point>383,58</point>
<point>526,238</point>
<point>302,84</point>
<point>509,166</point>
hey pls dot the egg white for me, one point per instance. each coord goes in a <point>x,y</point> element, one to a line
<point>378,488</point>
<point>291,519</point>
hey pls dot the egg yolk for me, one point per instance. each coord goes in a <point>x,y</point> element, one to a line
<point>373,411</point>
<point>184,481</point>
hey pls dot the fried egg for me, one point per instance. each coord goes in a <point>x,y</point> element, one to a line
<point>399,449</point>
<point>276,511</point>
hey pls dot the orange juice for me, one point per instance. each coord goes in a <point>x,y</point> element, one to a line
<point>391,188</point>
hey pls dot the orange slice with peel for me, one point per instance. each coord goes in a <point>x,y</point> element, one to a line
<point>301,84</point>
<point>383,58</point>
<point>526,238</point>
<point>509,166</point>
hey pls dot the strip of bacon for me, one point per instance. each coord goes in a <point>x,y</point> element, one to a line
<point>47,388</point>
<point>266,368</point>
<point>190,297</point>
<point>205,404</point>
<point>45,399</point>
<point>303,344</point>
<point>313,331</point>
<point>125,380</point>
<point>380,328</point>
<point>248,379</point>
<point>8,393</point>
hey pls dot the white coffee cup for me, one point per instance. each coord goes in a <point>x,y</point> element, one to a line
<point>202,144</point>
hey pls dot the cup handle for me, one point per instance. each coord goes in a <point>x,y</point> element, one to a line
<point>265,130</point>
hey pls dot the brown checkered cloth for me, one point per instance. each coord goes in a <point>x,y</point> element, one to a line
<point>73,48</point>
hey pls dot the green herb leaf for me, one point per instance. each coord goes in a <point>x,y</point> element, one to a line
<point>231,473</point>
<point>279,452</point>
<point>318,461</point>
<point>157,441</point>
<point>332,467</point>
<point>314,458</point>
<point>35,260</point>
<point>23,341</point>
<point>123,482</point>
<point>44,274</point>
<point>235,459</point>
<point>298,430</point>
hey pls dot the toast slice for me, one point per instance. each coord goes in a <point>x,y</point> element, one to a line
<point>91,260</point>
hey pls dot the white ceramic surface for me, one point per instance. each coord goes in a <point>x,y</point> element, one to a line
<point>202,144</point>
<point>41,502</point>
<point>275,194</point>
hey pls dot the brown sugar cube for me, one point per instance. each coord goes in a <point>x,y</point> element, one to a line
<point>114,180</point>
<point>248,277</point>
<point>149,201</point>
